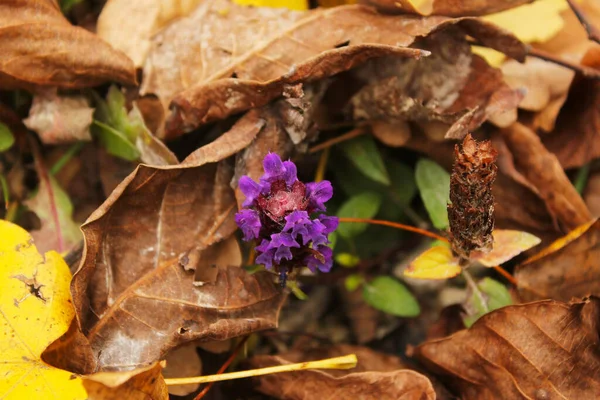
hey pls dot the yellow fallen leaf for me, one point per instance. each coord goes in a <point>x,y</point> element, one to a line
<point>299,5</point>
<point>507,244</point>
<point>434,263</point>
<point>35,309</point>
<point>561,242</point>
<point>535,22</point>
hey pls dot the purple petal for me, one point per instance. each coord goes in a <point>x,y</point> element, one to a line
<point>291,173</point>
<point>250,189</point>
<point>283,252</point>
<point>273,167</point>
<point>318,193</point>
<point>331,223</point>
<point>283,239</point>
<point>316,233</point>
<point>249,223</point>
<point>313,263</point>
<point>266,259</point>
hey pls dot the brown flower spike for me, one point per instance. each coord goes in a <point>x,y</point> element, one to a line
<point>471,212</point>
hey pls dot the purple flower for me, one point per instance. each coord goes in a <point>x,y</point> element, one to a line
<point>285,215</point>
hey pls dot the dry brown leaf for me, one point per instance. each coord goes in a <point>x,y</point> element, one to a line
<point>129,25</point>
<point>363,318</point>
<point>144,383</point>
<point>281,56</point>
<point>591,194</point>
<point>542,170</point>
<point>60,119</point>
<point>541,350</point>
<point>376,377</point>
<point>563,270</point>
<point>41,48</point>
<point>575,138</point>
<point>394,134</point>
<point>451,8</point>
<point>134,299</point>
<point>181,362</point>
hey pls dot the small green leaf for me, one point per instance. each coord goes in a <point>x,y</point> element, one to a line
<point>390,296</point>
<point>115,142</point>
<point>364,154</point>
<point>6,137</point>
<point>434,186</point>
<point>364,205</point>
<point>332,240</point>
<point>496,296</point>
<point>347,260</point>
<point>403,187</point>
<point>352,282</point>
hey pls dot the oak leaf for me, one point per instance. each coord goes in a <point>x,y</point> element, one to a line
<point>544,349</point>
<point>41,48</point>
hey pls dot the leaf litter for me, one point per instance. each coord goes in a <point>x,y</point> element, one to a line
<point>368,98</point>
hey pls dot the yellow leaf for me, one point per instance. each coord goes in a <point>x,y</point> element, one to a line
<point>434,263</point>
<point>535,22</point>
<point>299,5</point>
<point>35,309</point>
<point>561,242</point>
<point>507,244</point>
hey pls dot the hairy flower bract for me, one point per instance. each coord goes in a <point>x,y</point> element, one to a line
<point>285,217</point>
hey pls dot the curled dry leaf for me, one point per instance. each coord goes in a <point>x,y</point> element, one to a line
<point>540,350</point>
<point>542,170</point>
<point>41,48</point>
<point>144,383</point>
<point>565,269</point>
<point>129,25</point>
<point>60,119</point>
<point>376,377</point>
<point>592,194</point>
<point>288,55</point>
<point>451,8</point>
<point>134,299</point>
<point>181,362</point>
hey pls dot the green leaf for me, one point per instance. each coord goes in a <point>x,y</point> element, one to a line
<point>6,137</point>
<point>66,5</point>
<point>347,260</point>
<point>403,187</point>
<point>390,296</point>
<point>352,282</point>
<point>434,186</point>
<point>496,296</point>
<point>364,205</point>
<point>115,142</point>
<point>332,240</point>
<point>364,154</point>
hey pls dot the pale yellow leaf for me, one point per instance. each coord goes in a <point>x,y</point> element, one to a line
<point>35,309</point>
<point>507,245</point>
<point>434,263</point>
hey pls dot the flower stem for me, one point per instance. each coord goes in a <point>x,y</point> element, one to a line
<point>473,285</point>
<point>66,157</point>
<point>320,174</point>
<point>338,139</point>
<point>225,365</point>
<point>345,362</point>
<point>394,225</point>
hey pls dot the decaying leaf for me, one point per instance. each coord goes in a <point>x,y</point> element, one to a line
<point>35,309</point>
<point>592,194</point>
<point>376,377</point>
<point>34,35</point>
<point>507,245</point>
<point>540,350</point>
<point>565,269</point>
<point>450,8</point>
<point>263,69</point>
<point>144,383</point>
<point>129,25</point>
<point>542,170</point>
<point>134,299</point>
<point>60,119</point>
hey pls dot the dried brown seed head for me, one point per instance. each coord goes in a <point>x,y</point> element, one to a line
<point>471,212</point>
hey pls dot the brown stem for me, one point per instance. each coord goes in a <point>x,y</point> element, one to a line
<point>592,32</point>
<point>506,274</point>
<point>338,139</point>
<point>225,365</point>
<point>588,72</point>
<point>394,225</point>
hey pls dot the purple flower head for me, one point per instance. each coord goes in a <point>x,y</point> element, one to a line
<point>285,215</point>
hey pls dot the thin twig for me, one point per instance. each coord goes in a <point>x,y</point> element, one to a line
<point>338,139</point>
<point>588,72</point>
<point>345,362</point>
<point>506,274</point>
<point>320,174</point>
<point>592,32</point>
<point>394,225</point>
<point>225,365</point>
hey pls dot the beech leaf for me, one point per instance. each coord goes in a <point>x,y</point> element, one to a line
<point>33,34</point>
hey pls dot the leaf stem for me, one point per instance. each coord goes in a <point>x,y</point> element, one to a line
<point>473,285</point>
<point>394,225</point>
<point>345,362</point>
<point>66,157</point>
<point>225,365</point>
<point>506,274</point>
<point>339,139</point>
<point>592,32</point>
